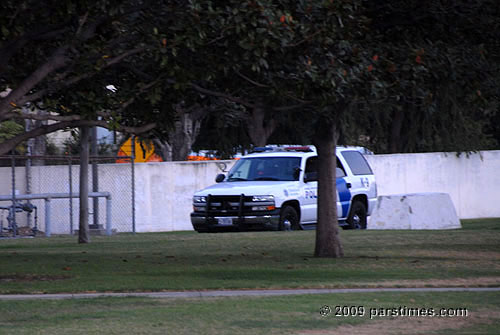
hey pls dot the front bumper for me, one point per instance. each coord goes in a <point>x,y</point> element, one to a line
<point>267,221</point>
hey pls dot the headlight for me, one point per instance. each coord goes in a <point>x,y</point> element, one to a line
<point>263,208</point>
<point>264,198</point>
<point>199,199</point>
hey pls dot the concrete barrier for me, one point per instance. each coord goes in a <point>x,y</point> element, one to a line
<point>414,211</point>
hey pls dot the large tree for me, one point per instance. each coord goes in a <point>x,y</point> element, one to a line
<point>62,56</point>
<point>86,63</point>
<point>360,69</point>
<point>439,62</point>
<point>283,58</point>
<point>350,68</point>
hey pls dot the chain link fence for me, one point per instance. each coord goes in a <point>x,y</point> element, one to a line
<point>35,194</point>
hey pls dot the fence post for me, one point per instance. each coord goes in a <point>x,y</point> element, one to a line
<point>13,167</point>
<point>48,230</point>
<point>133,183</point>
<point>70,196</point>
<point>95,178</point>
<point>28,125</point>
<point>108,215</point>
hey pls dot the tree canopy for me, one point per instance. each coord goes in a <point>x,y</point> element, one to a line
<point>64,57</point>
<point>401,61</point>
<point>399,75</point>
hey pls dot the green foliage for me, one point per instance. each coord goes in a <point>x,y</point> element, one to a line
<point>71,146</point>
<point>9,129</point>
<point>439,68</point>
<point>225,133</point>
<point>79,48</point>
<point>398,76</point>
<point>395,75</point>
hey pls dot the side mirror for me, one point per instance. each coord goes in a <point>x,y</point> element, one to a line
<point>310,176</point>
<point>222,166</point>
<point>220,178</point>
<point>296,173</point>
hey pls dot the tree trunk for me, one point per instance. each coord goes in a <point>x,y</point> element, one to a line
<point>328,242</point>
<point>83,231</point>
<point>186,130</point>
<point>164,149</point>
<point>396,126</point>
<point>40,142</point>
<point>259,129</point>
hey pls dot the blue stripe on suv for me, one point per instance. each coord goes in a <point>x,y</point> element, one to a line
<point>344,196</point>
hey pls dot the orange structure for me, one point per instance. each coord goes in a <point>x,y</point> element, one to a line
<point>143,153</point>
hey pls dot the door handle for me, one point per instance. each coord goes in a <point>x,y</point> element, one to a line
<point>349,185</point>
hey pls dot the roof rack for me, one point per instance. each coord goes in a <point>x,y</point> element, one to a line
<point>263,149</point>
<point>283,148</point>
<point>299,149</point>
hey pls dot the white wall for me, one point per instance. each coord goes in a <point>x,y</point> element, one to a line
<point>164,190</point>
<point>164,193</point>
<point>473,182</point>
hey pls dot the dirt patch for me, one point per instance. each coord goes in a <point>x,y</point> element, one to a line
<point>30,278</point>
<point>411,325</point>
<point>414,283</point>
<point>453,254</point>
<point>452,282</point>
<point>23,231</point>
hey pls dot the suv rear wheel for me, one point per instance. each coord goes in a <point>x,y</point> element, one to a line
<point>357,216</point>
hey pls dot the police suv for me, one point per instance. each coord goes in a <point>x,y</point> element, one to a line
<point>276,189</point>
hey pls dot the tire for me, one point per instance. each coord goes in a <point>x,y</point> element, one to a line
<point>357,216</point>
<point>289,219</point>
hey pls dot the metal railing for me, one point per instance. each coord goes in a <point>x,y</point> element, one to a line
<point>49,196</point>
<point>54,177</point>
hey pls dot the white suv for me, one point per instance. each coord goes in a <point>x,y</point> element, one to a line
<point>276,189</point>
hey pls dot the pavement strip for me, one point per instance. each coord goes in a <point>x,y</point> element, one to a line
<point>239,293</point>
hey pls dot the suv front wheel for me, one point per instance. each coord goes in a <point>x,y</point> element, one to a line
<point>357,216</point>
<point>289,219</point>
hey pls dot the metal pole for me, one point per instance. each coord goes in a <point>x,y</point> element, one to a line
<point>48,228</point>
<point>70,198</point>
<point>133,183</point>
<point>108,215</point>
<point>13,167</point>
<point>95,178</point>
<point>29,149</point>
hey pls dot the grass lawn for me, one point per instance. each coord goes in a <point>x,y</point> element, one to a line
<point>192,261</point>
<point>269,315</point>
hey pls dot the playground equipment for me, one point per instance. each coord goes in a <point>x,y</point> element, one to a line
<point>48,197</point>
<point>11,229</point>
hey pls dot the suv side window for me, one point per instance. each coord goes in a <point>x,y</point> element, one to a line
<point>311,166</point>
<point>340,170</point>
<point>357,163</point>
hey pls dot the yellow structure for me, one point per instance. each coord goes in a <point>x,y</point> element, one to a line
<point>143,153</point>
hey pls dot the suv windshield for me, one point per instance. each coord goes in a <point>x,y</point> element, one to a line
<point>265,168</point>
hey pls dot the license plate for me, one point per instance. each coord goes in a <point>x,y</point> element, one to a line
<point>225,221</point>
